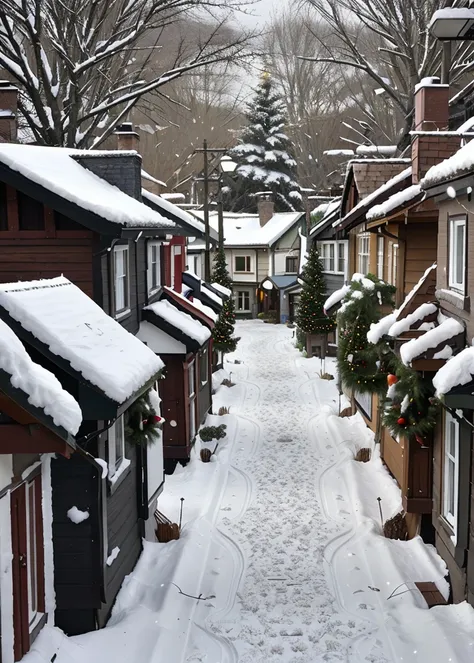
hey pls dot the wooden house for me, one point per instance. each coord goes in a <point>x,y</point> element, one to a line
<point>105,369</point>
<point>38,419</point>
<point>258,247</point>
<point>450,184</point>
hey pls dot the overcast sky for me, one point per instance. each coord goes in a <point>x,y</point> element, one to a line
<point>263,10</point>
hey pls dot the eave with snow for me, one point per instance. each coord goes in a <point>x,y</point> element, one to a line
<point>206,293</point>
<point>110,368</point>
<point>190,225</point>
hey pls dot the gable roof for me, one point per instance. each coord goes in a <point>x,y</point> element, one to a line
<point>208,294</point>
<point>56,170</point>
<point>397,203</point>
<point>455,167</point>
<point>34,388</point>
<point>330,215</point>
<point>63,322</point>
<point>187,306</point>
<point>355,216</point>
<point>176,214</point>
<point>177,324</point>
<point>245,229</point>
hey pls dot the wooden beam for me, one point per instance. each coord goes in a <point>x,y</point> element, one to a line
<point>31,439</point>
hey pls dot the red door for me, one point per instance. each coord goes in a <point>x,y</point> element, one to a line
<point>27,563</point>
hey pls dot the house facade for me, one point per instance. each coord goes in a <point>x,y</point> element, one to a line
<point>259,248</point>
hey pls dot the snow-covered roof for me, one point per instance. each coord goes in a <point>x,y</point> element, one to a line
<point>408,197</point>
<point>245,229</point>
<point>150,178</point>
<point>57,170</point>
<point>331,210</point>
<point>183,321</point>
<point>448,329</point>
<point>169,208</point>
<point>42,388</point>
<point>75,328</point>
<point>458,371</point>
<point>461,163</point>
<point>377,150</point>
<point>366,202</point>
<point>336,297</point>
<point>303,251</point>
<point>221,288</point>
<point>406,323</point>
<point>381,328</point>
<point>413,292</point>
<point>196,307</point>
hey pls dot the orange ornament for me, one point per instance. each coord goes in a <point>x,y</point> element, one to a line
<point>391,379</point>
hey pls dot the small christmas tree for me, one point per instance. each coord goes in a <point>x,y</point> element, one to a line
<point>264,157</point>
<point>222,334</point>
<point>310,317</point>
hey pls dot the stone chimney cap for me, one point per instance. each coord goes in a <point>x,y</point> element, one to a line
<point>263,195</point>
<point>125,128</point>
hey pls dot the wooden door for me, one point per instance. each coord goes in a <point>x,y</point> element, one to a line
<point>27,563</point>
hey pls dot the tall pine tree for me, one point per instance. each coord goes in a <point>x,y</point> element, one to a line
<point>264,156</point>
<point>310,316</point>
<point>222,334</point>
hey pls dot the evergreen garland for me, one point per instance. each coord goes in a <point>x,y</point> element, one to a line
<point>264,156</point>
<point>410,409</point>
<point>222,334</point>
<point>142,422</point>
<point>362,366</point>
<point>310,316</point>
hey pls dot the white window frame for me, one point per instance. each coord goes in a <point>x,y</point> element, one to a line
<point>450,497</point>
<point>343,246</point>
<point>248,264</point>
<point>380,256</point>
<point>117,460</point>
<point>245,294</point>
<point>295,259</point>
<point>392,263</point>
<point>194,263</point>
<point>455,223</point>
<point>154,267</point>
<point>122,304</point>
<point>363,252</point>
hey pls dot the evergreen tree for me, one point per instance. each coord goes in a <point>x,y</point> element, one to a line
<point>310,317</point>
<point>264,157</point>
<point>222,334</point>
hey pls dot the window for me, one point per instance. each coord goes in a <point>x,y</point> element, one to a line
<point>392,263</point>
<point>121,279</point>
<point>154,266</point>
<point>243,300</point>
<point>192,400</point>
<point>327,251</point>
<point>116,446</point>
<point>194,263</point>
<point>457,254</point>
<point>380,256</point>
<point>243,264</point>
<point>30,213</point>
<point>451,471</point>
<point>291,264</point>
<point>341,257</point>
<point>364,252</point>
<point>204,367</point>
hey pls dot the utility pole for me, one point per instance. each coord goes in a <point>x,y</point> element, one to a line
<point>207,253</point>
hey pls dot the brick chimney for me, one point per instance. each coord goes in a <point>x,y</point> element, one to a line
<point>431,115</point>
<point>8,112</point>
<point>126,138</point>
<point>266,208</point>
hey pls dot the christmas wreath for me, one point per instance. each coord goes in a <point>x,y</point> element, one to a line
<point>410,408</point>
<point>363,366</point>
<point>142,421</point>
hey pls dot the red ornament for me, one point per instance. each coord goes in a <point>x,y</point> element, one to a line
<point>402,421</point>
<point>420,440</point>
<point>391,379</point>
<point>156,419</point>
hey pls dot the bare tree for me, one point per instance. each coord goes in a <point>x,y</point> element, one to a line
<point>82,65</point>
<point>389,43</point>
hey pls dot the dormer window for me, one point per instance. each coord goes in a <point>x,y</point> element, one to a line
<point>154,266</point>
<point>121,280</point>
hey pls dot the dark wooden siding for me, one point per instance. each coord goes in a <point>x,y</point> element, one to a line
<point>124,531</point>
<point>205,391</point>
<point>77,548</point>
<point>25,259</point>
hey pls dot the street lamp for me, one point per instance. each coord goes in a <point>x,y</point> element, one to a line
<point>227,166</point>
<point>451,24</point>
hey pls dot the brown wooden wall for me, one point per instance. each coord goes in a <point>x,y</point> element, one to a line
<point>421,251</point>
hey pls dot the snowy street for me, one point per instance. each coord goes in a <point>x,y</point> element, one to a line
<point>281,541</point>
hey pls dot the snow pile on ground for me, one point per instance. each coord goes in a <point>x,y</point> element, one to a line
<point>282,556</point>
